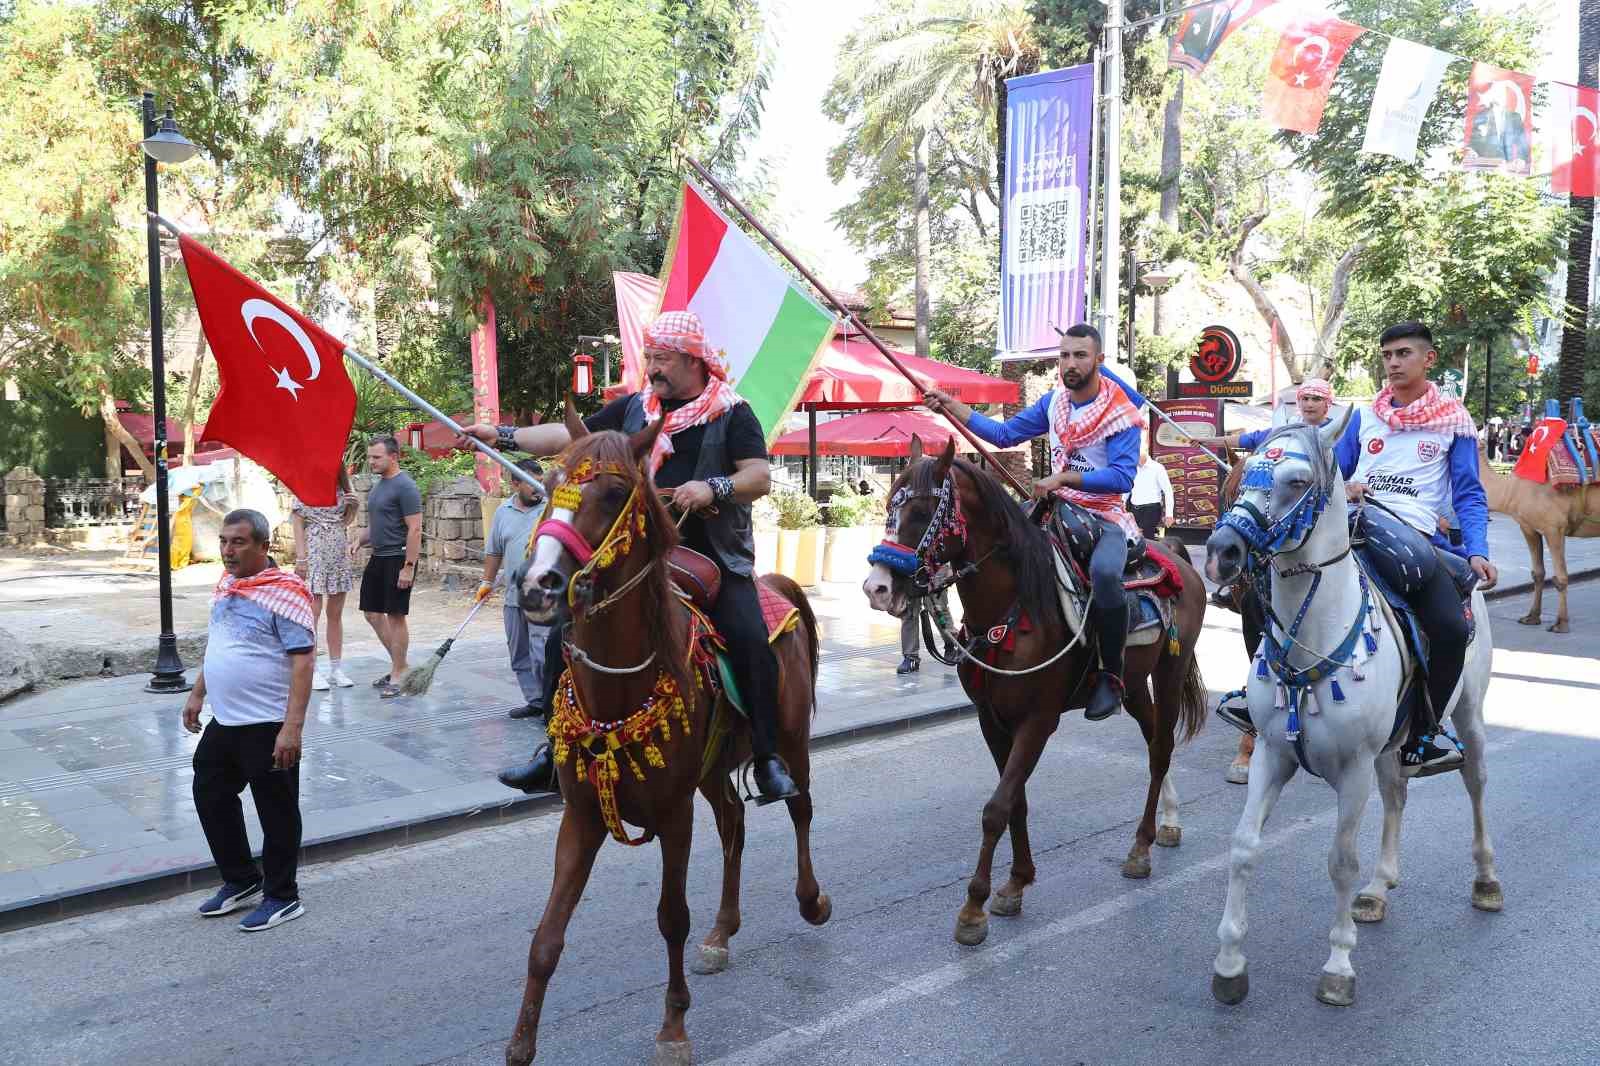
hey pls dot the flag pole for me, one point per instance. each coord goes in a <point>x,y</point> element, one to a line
<point>855,319</point>
<point>417,401</point>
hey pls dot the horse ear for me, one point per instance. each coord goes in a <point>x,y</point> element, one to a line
<point>947,458</point>
<point>1331,432</point>
<point>575,427</point>
<point>644,441</point>
<point>917,451</point>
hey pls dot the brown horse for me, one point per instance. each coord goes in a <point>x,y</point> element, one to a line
<point>636,678</point>
<point>1009,573</point>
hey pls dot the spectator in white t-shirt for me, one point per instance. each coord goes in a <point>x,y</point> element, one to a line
<point>1151,498</point>
<point>260,650</point>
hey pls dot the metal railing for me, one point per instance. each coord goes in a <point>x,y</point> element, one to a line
<point>91,501</point>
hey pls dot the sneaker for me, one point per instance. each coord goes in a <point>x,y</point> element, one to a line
<point>319,681</point>
<point>1431,754</point>
<point>531,709</point>
<point>230,897</point>
<point>340,678</point>
<point>908,665</point>
<point>271,912</point>
<point>388,691</point>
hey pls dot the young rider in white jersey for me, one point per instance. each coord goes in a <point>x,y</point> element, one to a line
<point>1093,421</point>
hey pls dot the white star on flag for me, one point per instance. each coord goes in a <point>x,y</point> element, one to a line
<point>288,383</point>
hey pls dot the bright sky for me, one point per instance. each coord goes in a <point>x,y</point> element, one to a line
<point>795,137</point>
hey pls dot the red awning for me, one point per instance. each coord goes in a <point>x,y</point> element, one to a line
<point>142,427</point>
<point>875,433</point>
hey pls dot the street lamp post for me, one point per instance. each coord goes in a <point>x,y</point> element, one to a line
<point>163,143</point>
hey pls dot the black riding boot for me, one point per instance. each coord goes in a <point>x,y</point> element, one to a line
<point>1111,629</point>
<point>535,775</point>
<point>1430,748</point>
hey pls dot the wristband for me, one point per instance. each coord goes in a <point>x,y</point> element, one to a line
<point>721,488</point>
<point>505,437</point>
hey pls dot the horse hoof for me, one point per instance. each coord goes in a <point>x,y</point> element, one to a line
<point>1486,896</point>
<point>1369,909</point>
<point>1337,990</point>
<point>822,910</point>
<point>672,1053</point>
<point>1230,990</point>
<point>1169,836</point>
<point>1136,867</point>
<point>1006,906</point>
<point>972,933</point>
<point>710,960</point>
<point>1237,773</point>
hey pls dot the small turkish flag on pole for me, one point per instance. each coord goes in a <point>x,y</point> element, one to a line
<point>286,401</point>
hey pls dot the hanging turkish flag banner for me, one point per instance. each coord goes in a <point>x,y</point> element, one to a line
<point>286,401</point>
<point>486,389</point>
<point>1572,132</point>
<point>1302,71</point>
<point>1499,130</point>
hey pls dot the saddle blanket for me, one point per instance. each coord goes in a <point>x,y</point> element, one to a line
<point>1562,471</point>
<point>776,610</point>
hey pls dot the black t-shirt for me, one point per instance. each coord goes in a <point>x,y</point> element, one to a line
<point>745,441</point>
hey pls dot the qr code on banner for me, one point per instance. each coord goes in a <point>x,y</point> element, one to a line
<point>1045,230</point>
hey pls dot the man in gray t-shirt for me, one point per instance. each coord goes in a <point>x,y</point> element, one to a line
<point>503,551</point>
<point>394,529</point>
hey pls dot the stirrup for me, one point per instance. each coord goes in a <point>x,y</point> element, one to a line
<point>1234,708</point>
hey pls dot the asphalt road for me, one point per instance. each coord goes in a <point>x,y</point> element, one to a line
<point>416,955</point>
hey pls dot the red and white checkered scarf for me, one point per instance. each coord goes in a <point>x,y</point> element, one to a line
<point>279,591</point>
<point>1109,413</point>
<point>1433,410</point>
<point>681,331</point>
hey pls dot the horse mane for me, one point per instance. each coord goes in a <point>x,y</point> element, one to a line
<point>660,537</point>
<point>1022,541</point>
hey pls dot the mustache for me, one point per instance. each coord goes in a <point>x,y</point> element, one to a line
<point>658,379</point>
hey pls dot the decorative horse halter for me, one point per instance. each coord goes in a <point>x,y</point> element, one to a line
<point>944,538</point>
<point>1288,532</point>
<point>616,545</point>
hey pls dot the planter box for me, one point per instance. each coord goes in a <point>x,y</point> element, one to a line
<point>800,555</point>
<point>844,555</point>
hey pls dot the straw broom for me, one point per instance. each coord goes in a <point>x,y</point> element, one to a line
<point>420,678</point>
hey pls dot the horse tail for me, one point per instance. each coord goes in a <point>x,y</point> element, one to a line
<point>792,592</point>
<point>1193,701</point>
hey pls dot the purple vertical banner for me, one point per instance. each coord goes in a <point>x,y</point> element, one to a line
<point>1043,266</point>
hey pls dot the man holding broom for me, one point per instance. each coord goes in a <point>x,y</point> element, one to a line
<point>711,454</point>
<point>505,547</point>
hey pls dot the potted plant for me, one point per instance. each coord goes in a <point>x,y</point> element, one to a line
<point>799,537</point>
<point>850,535</point>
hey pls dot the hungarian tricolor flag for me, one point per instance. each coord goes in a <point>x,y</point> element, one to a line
<point>770,330</point>
<point>286,401</point>
<point>1302,71</point>
<point>1573,135</point>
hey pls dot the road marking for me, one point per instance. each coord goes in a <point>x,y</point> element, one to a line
<point>986,958</point>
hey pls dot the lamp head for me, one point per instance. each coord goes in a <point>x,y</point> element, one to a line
<point>167,144</point>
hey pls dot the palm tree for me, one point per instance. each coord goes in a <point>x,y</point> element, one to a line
<point>1580,240</point>
<point>906,71</point>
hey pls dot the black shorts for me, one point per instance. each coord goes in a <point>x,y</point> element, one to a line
<point>380,586</point>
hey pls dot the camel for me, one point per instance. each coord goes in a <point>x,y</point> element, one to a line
<point>1544,513</point>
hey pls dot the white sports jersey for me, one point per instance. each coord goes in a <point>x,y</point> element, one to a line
<point>1083,458</point>
<point>1409,470</point>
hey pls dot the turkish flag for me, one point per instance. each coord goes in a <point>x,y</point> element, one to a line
<point>286,401</point>
<point>1534,463</point>
<point>1573,133</point>
<point>1302,71</point>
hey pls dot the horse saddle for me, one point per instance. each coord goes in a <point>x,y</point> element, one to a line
<point>1151,581</point>
<point>699,580</point>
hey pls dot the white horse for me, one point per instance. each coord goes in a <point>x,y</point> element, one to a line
<point>1337,682</point>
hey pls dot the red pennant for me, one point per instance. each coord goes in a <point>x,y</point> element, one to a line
<point>1574,139</point>
<point>1303,69</point>
<point>1499,129</point>
<point>1203,30</point>
<point>286,401</point>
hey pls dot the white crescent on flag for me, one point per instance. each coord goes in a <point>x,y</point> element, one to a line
<point>1594,128</point>
<point>254,309</point>
<point>1321,44</point>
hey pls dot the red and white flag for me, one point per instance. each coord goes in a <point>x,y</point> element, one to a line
<point>1303,69</point>
<point>286,401</point>
<point>486,389</point>
<point>1202,31</point>
<point>1499,129</point>
<point>1571,130</point>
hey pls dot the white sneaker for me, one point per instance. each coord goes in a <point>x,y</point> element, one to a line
<point>319,681</point>
<point>340,678</point>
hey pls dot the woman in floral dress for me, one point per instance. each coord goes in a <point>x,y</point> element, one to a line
<point>322,557</point>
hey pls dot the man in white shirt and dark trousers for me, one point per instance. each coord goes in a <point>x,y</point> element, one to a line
<point>1151,498</point>
<point>257,679</point>
<point>504,548</point>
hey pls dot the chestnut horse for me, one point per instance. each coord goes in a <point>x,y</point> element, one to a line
<point>635,728</point>
<point>1007,571</point>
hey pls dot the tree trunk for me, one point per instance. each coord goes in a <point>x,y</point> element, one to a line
<point>197,373</point>
<point>924,239</point>
<point>1333,314</point>
<point>1172,156</point>
<point>1258,295</point>
<point>1580,240</point>
<point>115,428</point>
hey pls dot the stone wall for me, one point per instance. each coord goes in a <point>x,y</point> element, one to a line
<point>452,527</point>
<point>25,521</point>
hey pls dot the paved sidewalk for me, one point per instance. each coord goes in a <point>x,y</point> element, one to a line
<point>95,776</point>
